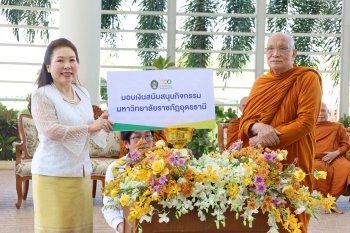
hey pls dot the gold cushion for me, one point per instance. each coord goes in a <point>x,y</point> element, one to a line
<point>100,165</point>
<point>24,168</point>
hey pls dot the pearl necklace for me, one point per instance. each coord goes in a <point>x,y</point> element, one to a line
<point>73,101</point>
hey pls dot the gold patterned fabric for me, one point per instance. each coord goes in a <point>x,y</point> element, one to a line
<point>100,165</point>
<point>112,148</point>
<point>31,135</point>
<point>24,168</point>
<point>62,204</point>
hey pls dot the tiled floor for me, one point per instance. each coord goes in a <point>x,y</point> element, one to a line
<point>14,220</point>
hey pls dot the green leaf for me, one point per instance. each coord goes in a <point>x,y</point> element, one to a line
<point>10,139</point>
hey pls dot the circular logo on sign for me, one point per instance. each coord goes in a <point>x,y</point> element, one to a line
<point>154,84</point>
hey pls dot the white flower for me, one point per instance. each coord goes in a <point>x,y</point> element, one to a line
<point>180,152</point>
<point>163,218</point>
<point>160,144</point>
<point>181,180</point>
<point>272,223</point>
<point>145,218</point>
<point>201,215</point>
<point>300,210</point>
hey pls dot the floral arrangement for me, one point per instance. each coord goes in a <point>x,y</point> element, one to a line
<point>243,180</point>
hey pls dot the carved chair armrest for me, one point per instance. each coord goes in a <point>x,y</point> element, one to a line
<point>221,136</point>
<point>19,148</point>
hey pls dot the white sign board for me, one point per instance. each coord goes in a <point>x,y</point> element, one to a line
<point>157,99</point>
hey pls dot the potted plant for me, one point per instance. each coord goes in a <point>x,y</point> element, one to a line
<point>8,132</point>
<point>345,120</point>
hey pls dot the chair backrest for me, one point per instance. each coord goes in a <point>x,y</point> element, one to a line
<point>222,136</point>
<point>112,149</point>
<point>30,139</point>
<point>29,135</point>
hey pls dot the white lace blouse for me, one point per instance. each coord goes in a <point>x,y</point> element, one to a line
<point>63,133</point>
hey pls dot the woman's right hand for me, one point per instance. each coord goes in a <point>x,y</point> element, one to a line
<point>120,227</point>
<point>99,124</point>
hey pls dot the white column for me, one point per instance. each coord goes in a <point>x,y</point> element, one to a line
<point>260,38</point>
<point>345,61</point>
<point>171,43</point>
<point>80,22</point>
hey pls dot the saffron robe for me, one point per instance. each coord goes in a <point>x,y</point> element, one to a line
<point>332,136</point>
<point>290,102</point>
<point>158,135</point>
<point>232,132</point>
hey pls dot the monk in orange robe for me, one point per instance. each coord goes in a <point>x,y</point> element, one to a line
<point>282,109</point>
<point>158,135</point>
<point>232,129</point>
<point>332,142</point>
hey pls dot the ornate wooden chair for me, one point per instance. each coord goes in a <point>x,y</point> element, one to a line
<point>222,136</point>
<point>24,154</point>
<point>100,157</point>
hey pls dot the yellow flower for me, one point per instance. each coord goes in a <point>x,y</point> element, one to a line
<point>174,190</point>
<point>233,191</point>
<point>320,174</point>
<point>212,154</point>
<point>154,196</point>
<point>247,181</point>
<point>300,175</point>
<point>286,188</point>
<point>146,193</point>
<point>120,162</point>
<point>165,172</point>
<point>160,144</point>
<point>158,166</point>
<point>124,200</point>
<point>114,193</point>
<point>280,157</point>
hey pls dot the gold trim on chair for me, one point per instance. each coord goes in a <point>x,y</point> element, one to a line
<point>222,136</point>
<point>24,154</point>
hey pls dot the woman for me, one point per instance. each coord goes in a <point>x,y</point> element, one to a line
<point>61,165</point>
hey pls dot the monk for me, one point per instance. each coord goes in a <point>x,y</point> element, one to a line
<point>332,142</point>
<point>232,129</point>
<point>282,109</point>
<point>158,135</point>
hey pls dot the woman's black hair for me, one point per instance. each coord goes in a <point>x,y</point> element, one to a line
<point>125,135</point>
<point>44,76</point>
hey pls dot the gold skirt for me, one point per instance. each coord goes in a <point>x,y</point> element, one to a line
<point>62,204</point>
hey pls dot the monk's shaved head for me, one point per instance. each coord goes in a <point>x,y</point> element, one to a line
<point>286,37</point>
<point>242,103</point>
<point>323,115</point>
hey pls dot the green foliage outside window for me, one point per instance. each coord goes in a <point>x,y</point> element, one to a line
<point>8,132</point>
<point>345,120</point>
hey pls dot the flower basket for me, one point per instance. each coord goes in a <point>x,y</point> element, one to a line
<point>238,190</point>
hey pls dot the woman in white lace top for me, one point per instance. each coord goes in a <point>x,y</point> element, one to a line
<point>61,166</point>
